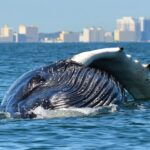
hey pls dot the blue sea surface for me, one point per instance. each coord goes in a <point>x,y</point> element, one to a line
<point>124,128</point>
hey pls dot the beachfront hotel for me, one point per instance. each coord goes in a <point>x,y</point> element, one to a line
<point>6,34</point>
<point>28,34</point>
<point>92,35</point>
<point>69,37</point>
<point>127,30</point>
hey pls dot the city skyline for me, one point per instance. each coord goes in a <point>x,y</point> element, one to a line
<point>128,29</point>
<point>16,29</point>
<point>51,16</point>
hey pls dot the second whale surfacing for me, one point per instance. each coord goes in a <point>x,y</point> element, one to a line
<point>90,79</point>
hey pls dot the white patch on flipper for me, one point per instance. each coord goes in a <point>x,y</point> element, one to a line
<point>87,57</point>
<point>72,112</point>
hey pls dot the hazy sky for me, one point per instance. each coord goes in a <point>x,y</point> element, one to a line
<point>56,15</point>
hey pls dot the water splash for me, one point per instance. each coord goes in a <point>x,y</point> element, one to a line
<point>72,112</point>
<point>4,115</point>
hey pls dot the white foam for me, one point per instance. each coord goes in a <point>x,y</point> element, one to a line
<point>72,112</point>
<point>4,115</point>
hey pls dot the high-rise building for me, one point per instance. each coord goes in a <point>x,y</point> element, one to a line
<point>69,37</point>
<point>22,29</point>
<point>126,24</point>
<point>109,37</point>
<point>92,35</point>
<point>145,28</point>
<point>32,34</point>
<point>127,30</point>
<point>6,34</point>
<point>28,34</point>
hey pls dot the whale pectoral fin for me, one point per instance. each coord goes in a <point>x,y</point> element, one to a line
<point>129,72</point>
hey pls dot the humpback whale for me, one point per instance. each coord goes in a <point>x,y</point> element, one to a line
<point>90,79</point>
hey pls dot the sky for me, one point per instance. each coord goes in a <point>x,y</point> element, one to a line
<point>70,15</point>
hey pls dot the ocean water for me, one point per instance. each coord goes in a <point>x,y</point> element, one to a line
<point>86,129</point>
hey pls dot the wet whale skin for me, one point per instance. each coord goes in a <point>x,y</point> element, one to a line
<point>61,85</point>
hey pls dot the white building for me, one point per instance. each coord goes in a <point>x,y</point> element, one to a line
<point>6,34</point>
<point>109,37</point>
<point>92,35</point>
<point>145,28</point>
<point>22,29</point>
<point>28,34</point>
<point>127,30</point>
<point>69,37</point>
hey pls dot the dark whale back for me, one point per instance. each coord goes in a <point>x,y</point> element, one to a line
<point>62,85</point>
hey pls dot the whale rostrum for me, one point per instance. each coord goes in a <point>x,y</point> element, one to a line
<point>89,79</point>
<point>129,72</point>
